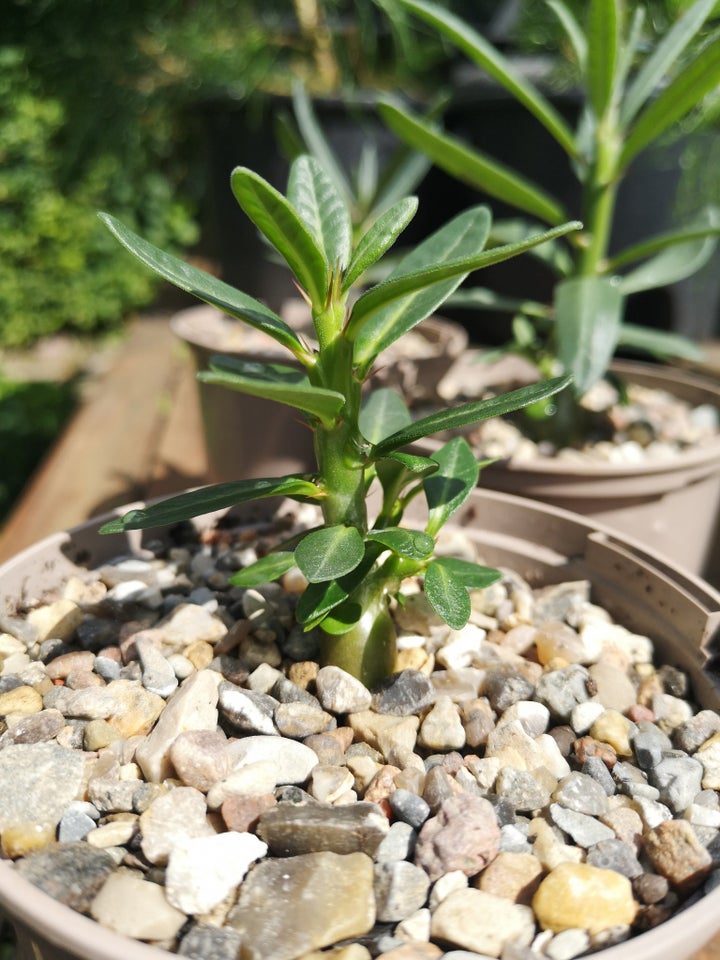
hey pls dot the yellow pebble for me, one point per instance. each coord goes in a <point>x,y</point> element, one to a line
<point>613,728</point>
<point>200,654</point>
<point>20,839</point>
<point>577,895</point>
<point>25,700</point>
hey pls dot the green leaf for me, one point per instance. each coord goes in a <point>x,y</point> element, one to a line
<point>470,165</point>
<point>264,570</point>
<point>395,288</point>
<point>383,413</point>
<point>343,618</point>
<point>274,217</point>
<point>195,503</point>
<point>317,143</point>
<point>313,194</point>
<point>449,488</point>
<point>413,544</point>
<point>676,262</point>
<point>448,598</point>
<point>474,46</point>
<point>573,30</point>
<point>602,53</point>
<point>462,237</point>
<point>418,466</point>
<point>659,343</point>
<point>470,575</point>
<point>274,381</point>
<point>683,94</point>
<point>706,225</point>
<point>480,298</point>
<point>588,313</point>
<point>627,53</point>
<point>206,287</point>
<point>553,253</point>
<point>379,238</point>
<point>467,413</point>
<point>663,58</point>
<point>329,553</point>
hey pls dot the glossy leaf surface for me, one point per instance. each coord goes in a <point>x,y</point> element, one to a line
<point>329,553</point>
<point>413,544</point>
<point>383,413</point>
<point>379,238</point>
<point>602,40</point>
<point>264,570</point>
<point>449,488</point>
<point>274,382</point>
<point>205,287</point>
<point>274,216</point>
<point>316,199</point>
<point>195,503</point>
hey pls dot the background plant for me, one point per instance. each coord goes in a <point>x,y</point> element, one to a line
<point>631,98</point>
<point>353,565</point>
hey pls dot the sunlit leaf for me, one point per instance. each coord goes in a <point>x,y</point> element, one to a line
<point>329,553</point>
<point>413,544</point>
<point>314,196</point>
<point>449,488</point>
<point>588,313</point>
<point>379,238</point>
<point>264,570</point>
<point>383,413</point>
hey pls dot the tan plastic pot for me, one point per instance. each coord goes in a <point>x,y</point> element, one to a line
<point>680,612</point>
<point>251,437</point>
<point>672,506</point>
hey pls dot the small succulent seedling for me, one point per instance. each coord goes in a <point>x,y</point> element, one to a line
<point>353,566</point>
<point>631,97</point>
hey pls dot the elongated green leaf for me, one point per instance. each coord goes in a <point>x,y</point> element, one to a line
<point>413,544</point>
<point>554,253</point>
<point>588,313</point>
<point>395,288</point>
<point>383,413</point>
<point>675,262</point>
<point>602,52</point>
<point>379,238</point>
<point>314,196</point>
<point>195,503</point>
<point>462,237</point>
<point>317,143</point>
<point>683,94</point>
<point>206,287</point>
<point>707,225</point>
<point>627,53</point>
<point>329,553</point>
<point>474,46</point>
<point>274,381</point>
<point>448,598</point>
<point>319,599</point>
<point>274,216</point>
<point>418,466</point>
<point>449,488</point>
<point>659,343</point>
<point>467,413</point>
<point>264,570</point>
<point>663,58</point>
<point>480,298</point>
<point>470,165</point>
<point>574,31</point>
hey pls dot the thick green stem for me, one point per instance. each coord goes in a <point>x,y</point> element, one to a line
<point>600,194</point>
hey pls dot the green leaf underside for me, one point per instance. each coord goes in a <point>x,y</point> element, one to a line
<point>195,503</point>
<point>553,253</point>
<point>471,575</point>
<point>420,466</point>
<point>447,597</point>
<point>274,382</point>
<point>682,95</point>
<point>658,343</point>
<point>459,239</point>
<point>588,313</point>
<point>384,412</point>
<point>264,570</point>
<point>413,544</point>
<point>573,30</point>
<point>670,265</point>
<point>480,298</point>
<point>389,291</point>
<point>344,618</point>
<point>316,199</point>
<point>449,488</point>
<point>274,216</point>
<point>379,238</point>
<point>708,225</point>
<point>329,553</point>
<point>471,165</point>
<point>468,413</point>
<point>205,287</point>
<point>473,45</point>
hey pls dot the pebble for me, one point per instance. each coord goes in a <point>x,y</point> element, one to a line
<point>203,871</point>
<point>293,762</point>
<point>171,819</point>
<point>442,728</point>
<point>72,873</point>
<point>578,895</point>
<point>512,876</point>
<point>339,692</point>
<point>135,907</point>
<point>158,675</point>
<point>482,922</point>
<point>295,829</point>
<point>206,942</point>
<point>45,779</point>
<point>677,854</point>
<point>404,694</point>
<point>400,889</point>
<point>464,836</point>
<point>300,720</point>
<point>409,807</point>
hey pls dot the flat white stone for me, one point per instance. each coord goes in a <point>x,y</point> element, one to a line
<point>203,871</point>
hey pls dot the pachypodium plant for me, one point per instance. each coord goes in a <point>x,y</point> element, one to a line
<point>353,565</point>
<point>631,97</point>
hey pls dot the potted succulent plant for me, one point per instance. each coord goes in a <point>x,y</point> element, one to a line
<point>128,715</point>
<point>379,179</point>
<point>624,110</point>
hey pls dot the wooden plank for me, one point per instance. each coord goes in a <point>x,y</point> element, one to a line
<point>108,453</point>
